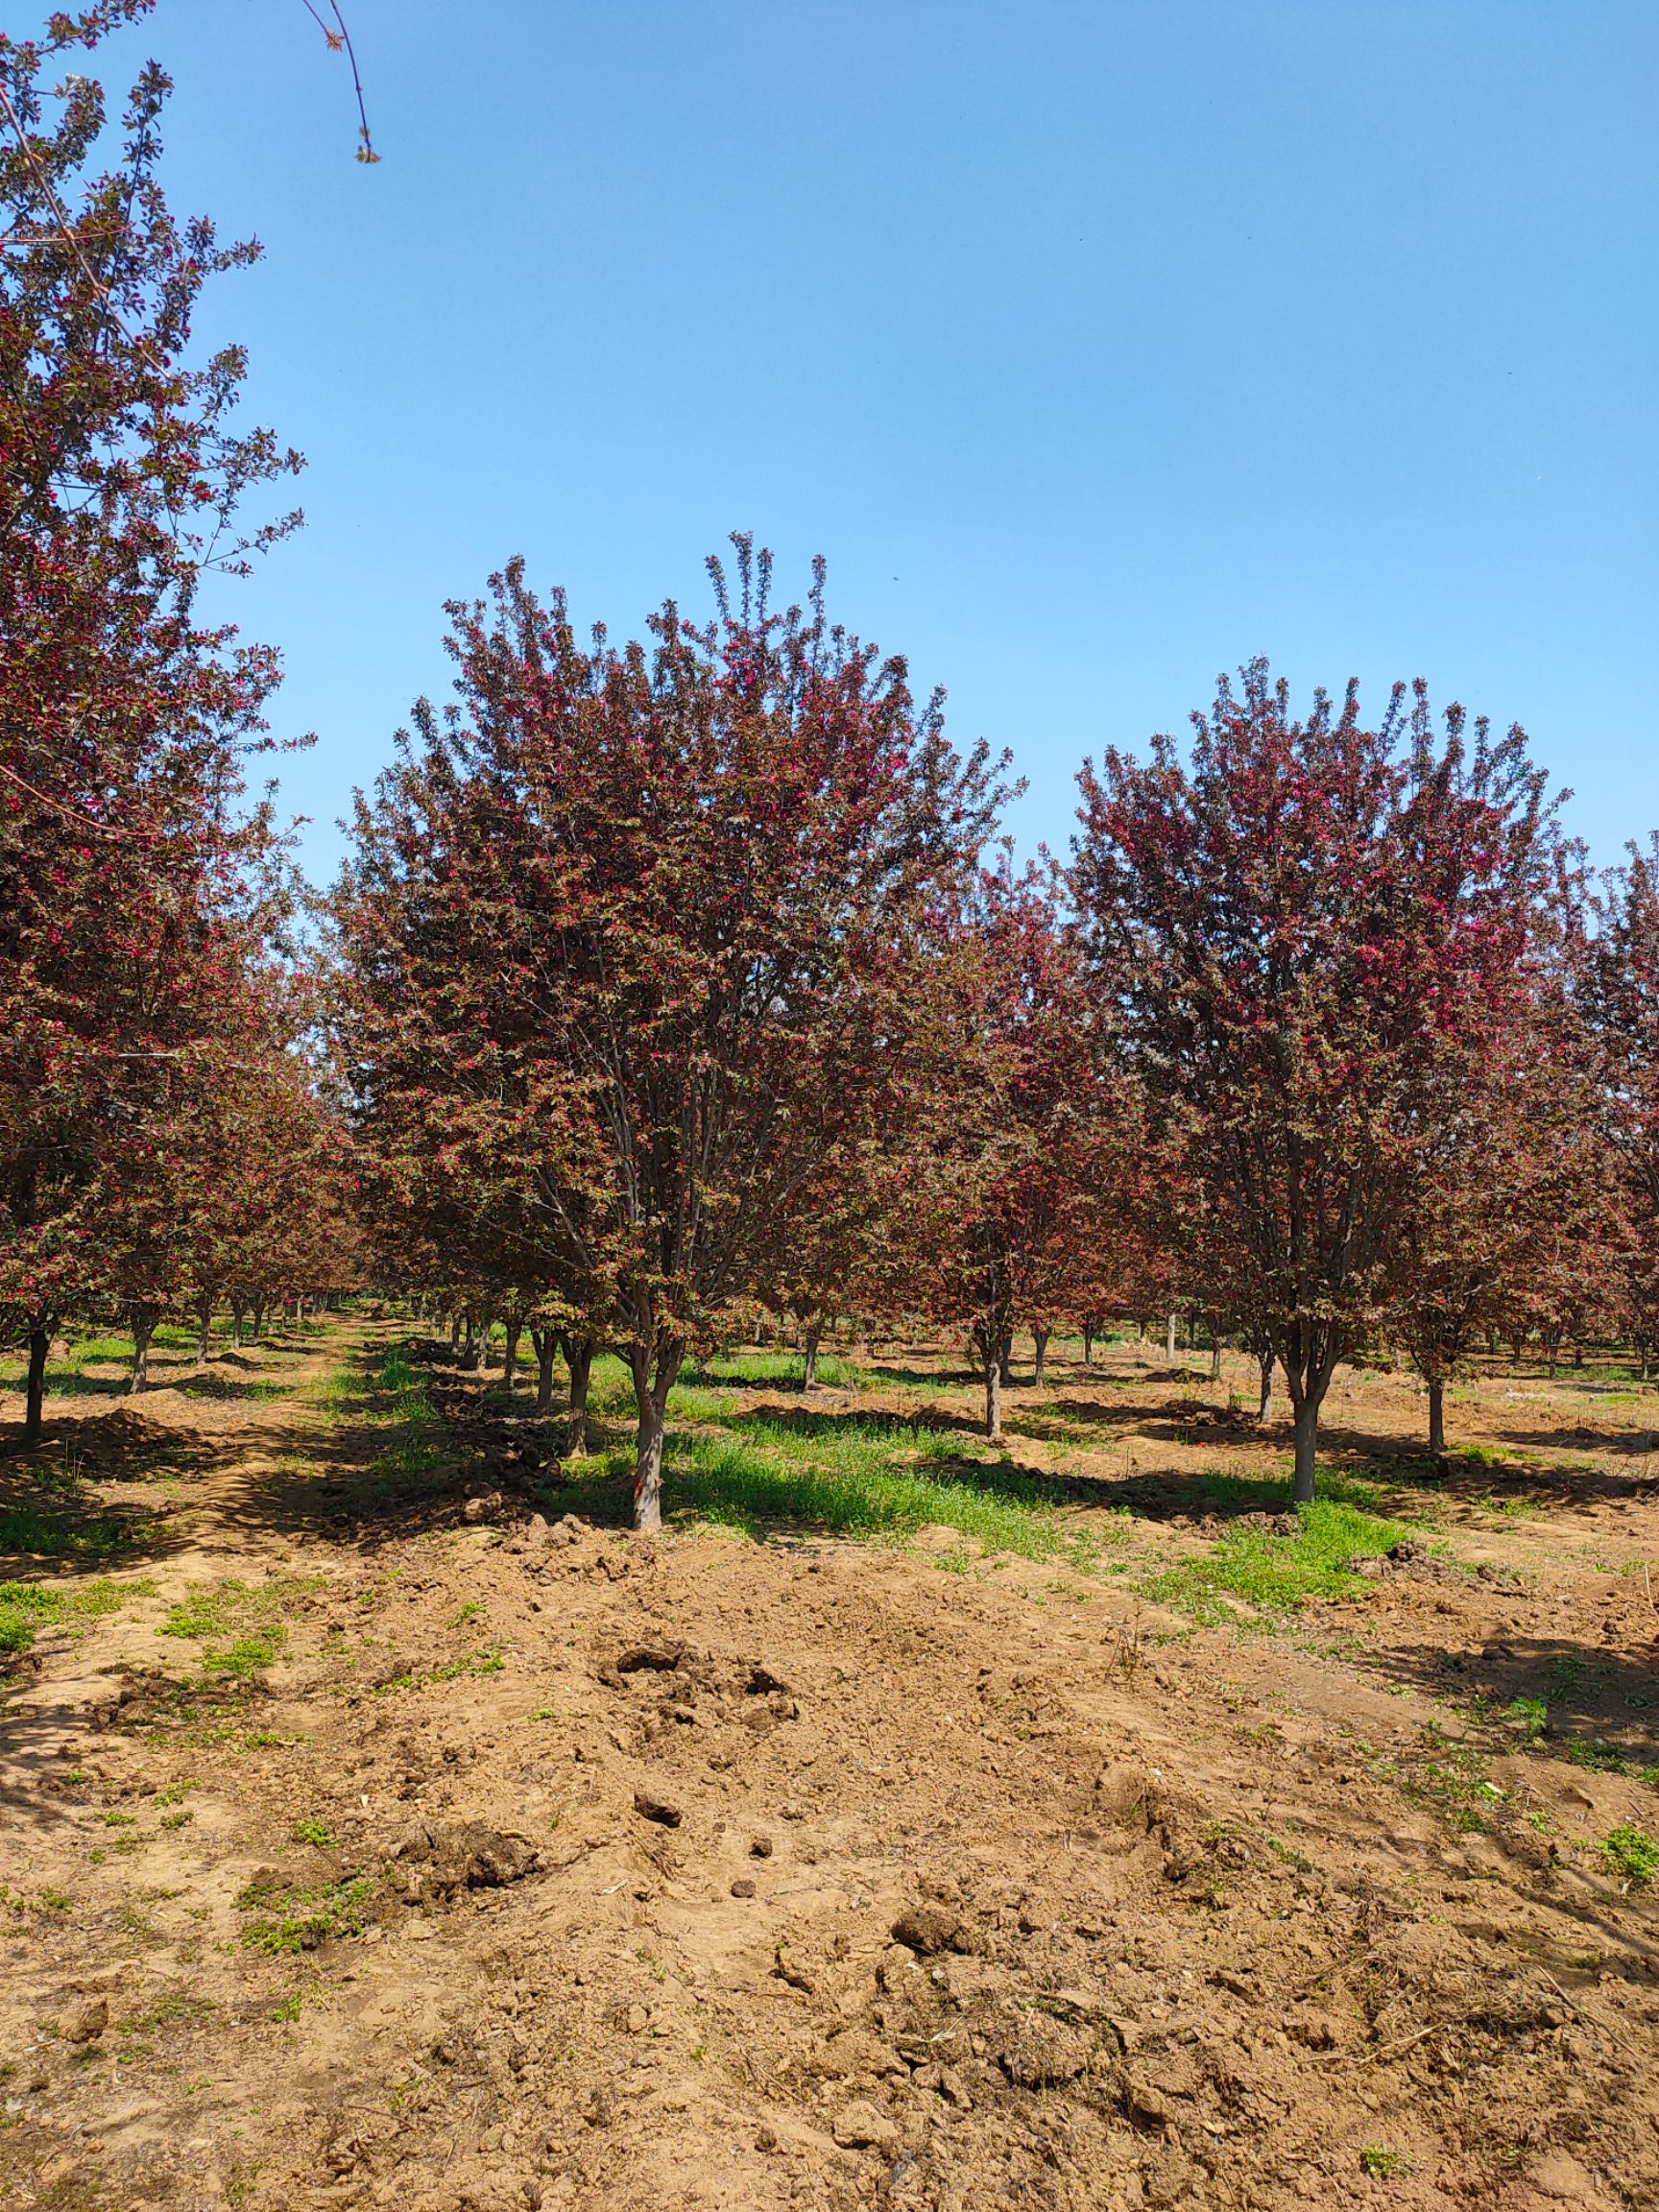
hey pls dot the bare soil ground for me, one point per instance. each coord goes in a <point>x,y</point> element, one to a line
<point>477,1865</point>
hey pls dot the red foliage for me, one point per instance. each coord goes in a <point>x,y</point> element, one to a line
<point>1316,928</point>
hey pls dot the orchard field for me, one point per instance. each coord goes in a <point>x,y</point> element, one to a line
<point>715,1494</point>
<point>910,1822</point>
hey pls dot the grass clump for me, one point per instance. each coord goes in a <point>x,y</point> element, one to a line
<point>1634,1854</point>
<point>285,1919</point>
<point>1382,2164</point>
<point>1274,1575</point>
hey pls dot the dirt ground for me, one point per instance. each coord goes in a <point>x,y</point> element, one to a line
<point>464,1856</point>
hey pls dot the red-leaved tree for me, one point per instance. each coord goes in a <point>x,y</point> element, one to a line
<point>1311,926</point>
<point>637,925</point>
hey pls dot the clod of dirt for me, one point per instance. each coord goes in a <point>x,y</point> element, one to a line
<point>650,1658</point>
<point>927,1929</point>
<point>88,2022</point>
<point>481,1509</point>
<point>761,1847</point>
<point>743,1886</point>
<point>860,2127</point>
<point>653,1805</point>
<point>439,1861</point>
<point>764,1683</point>
<point>1040,2052</point>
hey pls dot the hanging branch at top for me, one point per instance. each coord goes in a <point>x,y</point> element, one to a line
<point>340,42</point>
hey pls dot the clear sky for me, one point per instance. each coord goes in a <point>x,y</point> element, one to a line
<point>1099,344</point>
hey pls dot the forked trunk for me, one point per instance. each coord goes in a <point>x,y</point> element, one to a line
<point>809,1364</point>
<point>579,1354</point>
<point>1040,1340</point>
<point>39,1344</point>
<point>1437,1417</point>
<point>205,1334</point>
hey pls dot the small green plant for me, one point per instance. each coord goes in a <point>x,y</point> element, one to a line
<point>313,1832</point>
<point>286,1918</point>
<point>290,2008</point>
<point>1531,1717</point>
<point>1634,1854</point>
<point>175,1792</point>
<point>1382,2164</point>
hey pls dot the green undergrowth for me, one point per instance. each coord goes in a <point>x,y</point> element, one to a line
<point>876,1482</point>
<point>1267,1574</point>
<point>27,1607</point>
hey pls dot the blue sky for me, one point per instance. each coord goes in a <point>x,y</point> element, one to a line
<point>1098,346</point>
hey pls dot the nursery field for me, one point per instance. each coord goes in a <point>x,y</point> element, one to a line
<point>912,1823</point>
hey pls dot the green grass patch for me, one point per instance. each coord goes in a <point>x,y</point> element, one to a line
<point>1275,1576</point>
<point>243,1624</point>
<point>67,1536</point>
<point>1633,1854</point>
<point>875,1481</point>
<point>26,1607</point>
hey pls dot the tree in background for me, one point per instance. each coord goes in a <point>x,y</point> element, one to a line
<point>1031,1152</point>
<point>1311,926</point>
<point>649,917</point>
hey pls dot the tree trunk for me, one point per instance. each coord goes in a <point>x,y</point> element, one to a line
<point>579,1356</point>
<point>1214,1357</point>
<point>300,1312</point>
<point>510,1355</point>
<point>1039,1340</point>
<point>546,1344</point>
<point>454,1332</point>
<point>651,1397</point>
<point>1307,1433</point>
<point>1437,1417</point>
<point>39,1344</point>
<point>144,1320</point>
<point>471,1353</point>
<point>993,1400</point>
<point>236,1314</point>
<point>1169,1339</point>
<point>1088,1343</point>
<point>1267,1365</point>
<point>258,1322</point>
<point>809,1364</point>
<point>1005,1359</point>
<point>1577,1354</point>
<point>205,1339</point>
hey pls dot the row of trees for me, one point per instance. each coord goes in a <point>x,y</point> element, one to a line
<point>672,976</point>
<point>161,1140</point>
<point>680,974</point>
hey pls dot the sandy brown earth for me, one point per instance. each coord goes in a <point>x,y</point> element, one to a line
<point>543,1865</point>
